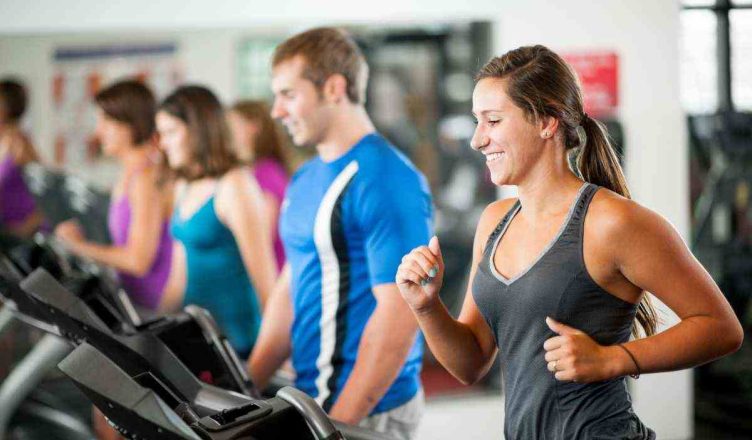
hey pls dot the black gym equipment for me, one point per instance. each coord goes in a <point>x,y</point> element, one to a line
<point>180,348</point>
<point>721,183</point>
<point>63,197</point>
<point>20,396</point>
<point>190,343</point>
<point>145,388</point>
<point>125,357</point>
<point>141,406</point>
<point>195,346</point>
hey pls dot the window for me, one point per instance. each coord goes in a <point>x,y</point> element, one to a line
<point>254,71</point>
<point>716,39</point>
<point>698,2</point>
<point>741,57</point>
<point>699,80</point>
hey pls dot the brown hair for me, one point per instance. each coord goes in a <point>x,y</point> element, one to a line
<point>131,103</point>
<point>211,154</point>
<point>328,51</point>
<point>542,84</point>
<point>269,142</point>
<point>12,99</point>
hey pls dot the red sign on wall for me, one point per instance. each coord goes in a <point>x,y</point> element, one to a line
<point>599,76</point>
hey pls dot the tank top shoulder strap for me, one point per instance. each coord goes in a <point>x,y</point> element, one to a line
<point>500,227</point>
<point>577,222</point>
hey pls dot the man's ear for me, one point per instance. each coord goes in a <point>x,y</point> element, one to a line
<point>335,88</point>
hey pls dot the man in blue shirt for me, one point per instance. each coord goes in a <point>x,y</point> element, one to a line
<point>349,216</point>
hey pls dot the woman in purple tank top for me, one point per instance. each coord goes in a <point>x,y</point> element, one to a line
<point>140,204</point>
<point>18,213</point>
<point>259,144</point>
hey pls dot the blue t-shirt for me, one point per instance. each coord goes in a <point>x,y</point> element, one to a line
<point>346,225</point>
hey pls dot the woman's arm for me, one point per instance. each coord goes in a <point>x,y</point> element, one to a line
<point>651,254</point>
<point>648,252</point>
<point>466,347</point>
<point>240,206</point>
<point>137,255</point>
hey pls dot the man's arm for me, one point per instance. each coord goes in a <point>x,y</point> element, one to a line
<point>387,339</point>
<point>273,344</point>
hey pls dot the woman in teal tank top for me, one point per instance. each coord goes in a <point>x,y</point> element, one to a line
<point>223,258</point>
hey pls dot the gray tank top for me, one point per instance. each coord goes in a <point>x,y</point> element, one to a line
<point>558,285</point>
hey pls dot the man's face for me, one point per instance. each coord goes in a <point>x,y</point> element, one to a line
<point>298,104</point>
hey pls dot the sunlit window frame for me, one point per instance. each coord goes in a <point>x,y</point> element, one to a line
<point>722,9</point>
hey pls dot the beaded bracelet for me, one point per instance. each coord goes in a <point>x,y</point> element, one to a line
<point>635,375</point>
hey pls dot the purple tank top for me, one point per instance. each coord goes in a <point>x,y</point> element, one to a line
<point>145,290</point>
<point>16,202</point>
<point>272,179</point>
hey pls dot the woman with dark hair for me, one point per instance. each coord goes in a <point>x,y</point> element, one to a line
<point>18,212</point>
<point>258,144</point>
<point>140,204</point>
<point>560,275</point>
<point>224,260</point>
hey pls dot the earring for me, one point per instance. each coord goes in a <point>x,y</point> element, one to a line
<point>545,134</point>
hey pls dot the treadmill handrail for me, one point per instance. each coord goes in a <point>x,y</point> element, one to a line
<point>351,432</point>
<point>16,301</point>
<point>312,413</point>
<point>44,288</point>
<point>77,366</point>
<point>214,336</point>
<point>148,350</point>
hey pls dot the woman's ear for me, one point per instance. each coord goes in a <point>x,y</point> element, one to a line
<point>548,126</point>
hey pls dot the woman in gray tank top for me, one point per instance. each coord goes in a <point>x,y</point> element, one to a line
<point>560,275</point>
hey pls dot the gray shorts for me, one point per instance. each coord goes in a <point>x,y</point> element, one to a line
<point>400,422</point>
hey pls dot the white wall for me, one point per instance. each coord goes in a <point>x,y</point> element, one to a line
<point>207,57</point>
<point>643,32</point>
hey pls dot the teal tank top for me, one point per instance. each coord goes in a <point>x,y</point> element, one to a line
<point>216,277</point>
